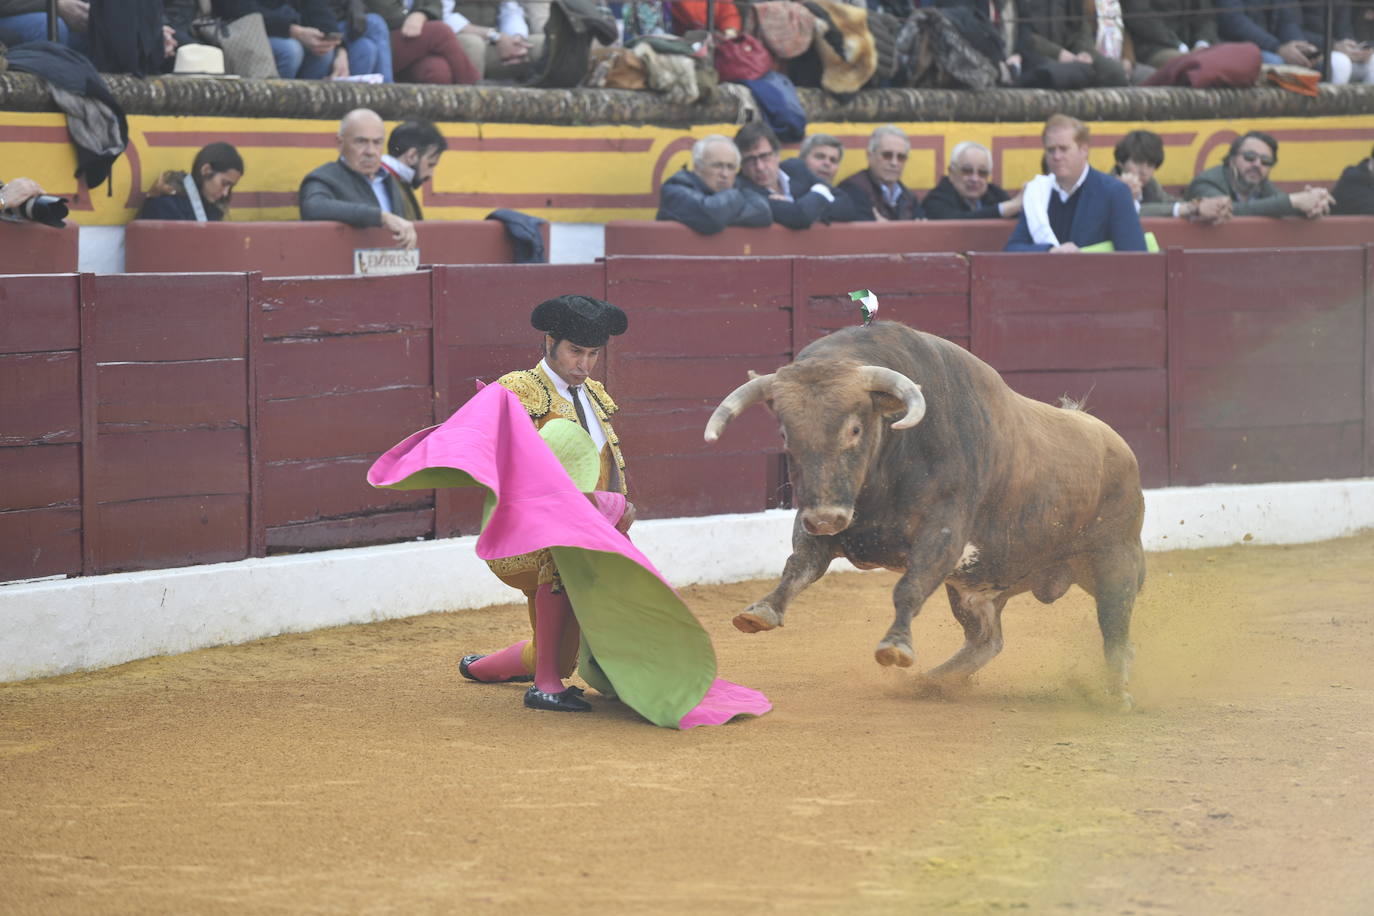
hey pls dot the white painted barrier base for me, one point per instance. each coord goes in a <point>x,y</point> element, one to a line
<point>54,627</point>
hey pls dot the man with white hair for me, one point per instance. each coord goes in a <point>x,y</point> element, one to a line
<point>967,191</point>
<point>705,198</point>
<point>355,189</point>
<point>878,191</point>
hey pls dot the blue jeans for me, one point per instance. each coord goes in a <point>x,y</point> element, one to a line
<point>370,52</point>
<point>15,30</point>
<point>1269,57</point>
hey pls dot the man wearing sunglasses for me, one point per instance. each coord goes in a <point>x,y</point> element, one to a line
<point>1243,176</point>
<point>878,189</point>
<point>966,192</point>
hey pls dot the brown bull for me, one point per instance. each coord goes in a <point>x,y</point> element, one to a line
<point>975,486</point>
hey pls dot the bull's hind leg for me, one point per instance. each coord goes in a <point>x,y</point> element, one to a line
<point>810,559</point>
<point>1117,577</point>
<point>980,614</point>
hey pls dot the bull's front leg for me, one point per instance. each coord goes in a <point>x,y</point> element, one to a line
<point>810,559</point>
<point>927,567</point>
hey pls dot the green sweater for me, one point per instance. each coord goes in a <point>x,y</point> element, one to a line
<point>1216,182</point>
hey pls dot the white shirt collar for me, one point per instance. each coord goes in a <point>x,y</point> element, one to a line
<point>785,185</point>
<point>1065,195</point>
<point>598,435</point>
<point>399,168</point>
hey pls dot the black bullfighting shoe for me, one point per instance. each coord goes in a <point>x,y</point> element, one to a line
<point>467,660</point>
<point>567,701</point>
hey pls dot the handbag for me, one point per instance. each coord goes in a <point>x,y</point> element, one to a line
<point>742,58</point>
<point>247,52</point>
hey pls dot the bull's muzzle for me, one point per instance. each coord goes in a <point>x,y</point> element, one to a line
<point>824,520</point>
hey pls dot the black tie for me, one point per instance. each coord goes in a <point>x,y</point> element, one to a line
<point>577,405</point>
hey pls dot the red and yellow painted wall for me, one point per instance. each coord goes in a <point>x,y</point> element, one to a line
<point>603,172</point>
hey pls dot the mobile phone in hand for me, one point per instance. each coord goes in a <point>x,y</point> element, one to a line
<point>333,36</point>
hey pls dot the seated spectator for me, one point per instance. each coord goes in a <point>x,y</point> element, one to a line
<point>366,43</point>
<point>27,20</point>
<point>878,189</point>
<point>355,189</point>
<point>705,197</point>
<point>1075,205</point>
<point>502,41</point>
<point>423,48</point>
<point>966,192</point>
<point>16,192</point>
<point>1161,30</point>
<point>1138,155</point>
<point>1243,177</point>
<point>1349,57</point>
<point>202,194</point>
<point>304,35</point>
<point>821,155</point>
<point>760,174</point>
<point>1063,32</point>
<point>412,155</point>
<point>1274,25</point>
<point>1354,193</point>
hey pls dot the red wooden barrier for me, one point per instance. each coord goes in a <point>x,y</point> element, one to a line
<point>33,248</point>
<point>648,237</point>
<point>1267,370</point>
<point>296,249</point>
<point>1091,328</point>
<point>40,427</point>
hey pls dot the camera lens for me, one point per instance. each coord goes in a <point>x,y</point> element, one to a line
<point>46,209</point>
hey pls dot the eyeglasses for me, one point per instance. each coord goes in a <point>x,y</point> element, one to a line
<point>893,155</point>
<point>758,157</point>
<point>1252,156</point>
<point>967,170</point>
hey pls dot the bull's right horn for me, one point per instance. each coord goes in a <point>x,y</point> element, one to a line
<point>880,378</point>
<point>755,390</point>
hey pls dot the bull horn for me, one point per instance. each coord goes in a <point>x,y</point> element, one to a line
<point>751,392</point>
<point>880,378</point>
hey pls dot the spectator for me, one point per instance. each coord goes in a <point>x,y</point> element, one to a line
<point>821,155</point>
<point>760,174</point>
<point>201,195</point>
<point>27,20</point>
<point>501,41</point>
<point>16,192</point>
<point>1274,25</point>
<point>705,197</point>
<point>412,156</point>
<point>1349,57</point>
<point>1063,32</point>
<point>878,190</point>
<point>1354,193</point>
<point>1138,155</point>
<point>423,48</point>
<point>304,35</point>
<point>966,192</point>
<point>1075,205</point>
<point>355,189</point>
<point>1243,177</point>
<point>1161,30</point>
<point>366,42</point>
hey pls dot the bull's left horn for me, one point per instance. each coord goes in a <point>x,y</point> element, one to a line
<point>880,378</point>
<point>751,392</point>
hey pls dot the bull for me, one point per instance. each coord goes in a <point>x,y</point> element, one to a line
<point>973,485</point>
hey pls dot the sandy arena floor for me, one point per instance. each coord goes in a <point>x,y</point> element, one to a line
<point>353,771</point>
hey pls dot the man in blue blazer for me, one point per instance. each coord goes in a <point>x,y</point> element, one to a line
<point>1075,205</point>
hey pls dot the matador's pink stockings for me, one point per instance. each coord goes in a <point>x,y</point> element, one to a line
<point>502,665</point>
<point>552,613</point>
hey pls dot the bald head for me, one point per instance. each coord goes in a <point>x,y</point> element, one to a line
<point>361,138</point>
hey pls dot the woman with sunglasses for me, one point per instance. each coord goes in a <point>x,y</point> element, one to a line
<point>967,192</point>
<point>1243,176</point>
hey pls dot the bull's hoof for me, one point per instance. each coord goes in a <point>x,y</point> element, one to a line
<point>888,655</point>
<point>1123,702</point>
<point>757,618</point>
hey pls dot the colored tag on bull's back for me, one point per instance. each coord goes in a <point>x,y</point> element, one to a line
<point>868,303</point>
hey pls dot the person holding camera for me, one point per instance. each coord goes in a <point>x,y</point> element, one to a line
<point>23,199</point>
<point>202,194</point>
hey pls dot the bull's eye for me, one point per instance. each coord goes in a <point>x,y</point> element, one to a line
<point>855,430</point>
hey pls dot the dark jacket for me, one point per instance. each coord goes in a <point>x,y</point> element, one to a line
<point>1313,19</point>
<point>805,207</point>
<point>843,210</point>
<point>944,202</point>
<point>1216,182</point>
<point>279,16</point>
<point>176,206</point>
<point>1354,193</point>
<point>395,12</point>
<point>335,192</point>
<point>1105,213</point>
<point>1248,20</point>
<point>687,200</point>
<point>868,196</point>
<point>1163,25</point>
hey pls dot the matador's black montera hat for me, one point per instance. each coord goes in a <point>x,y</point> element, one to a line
<point>583,320</point>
